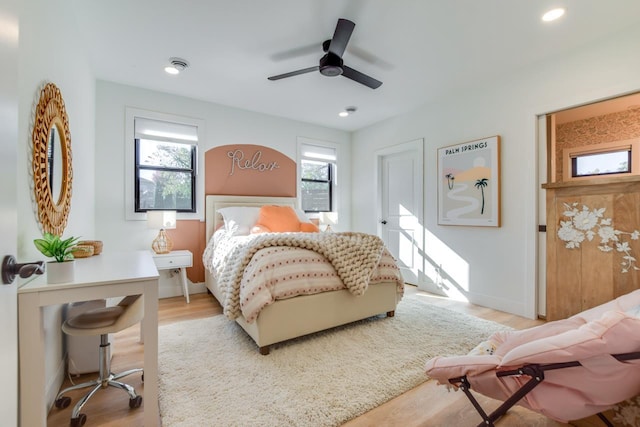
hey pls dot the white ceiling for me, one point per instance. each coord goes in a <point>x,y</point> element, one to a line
<point>419,49</point>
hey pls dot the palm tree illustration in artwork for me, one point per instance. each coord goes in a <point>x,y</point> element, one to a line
<point>450,179</point>
<point>481,183</point>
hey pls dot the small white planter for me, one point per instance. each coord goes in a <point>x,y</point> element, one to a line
<point>60,272</point>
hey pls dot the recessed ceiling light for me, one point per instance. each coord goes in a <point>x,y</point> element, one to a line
<point>553,14</point>
<point>347,111</point>
<point>176,65</point>
<point>170,69</point>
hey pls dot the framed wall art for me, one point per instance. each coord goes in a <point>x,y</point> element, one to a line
<point>469,183</point>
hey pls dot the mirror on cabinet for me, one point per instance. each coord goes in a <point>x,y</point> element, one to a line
<point>52,170</point>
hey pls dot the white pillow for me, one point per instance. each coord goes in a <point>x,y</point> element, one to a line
<point>239,220</point>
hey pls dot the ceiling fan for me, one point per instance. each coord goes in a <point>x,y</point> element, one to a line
<point>331,64</point>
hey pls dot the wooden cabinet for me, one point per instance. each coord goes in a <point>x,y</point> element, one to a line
<point>586,276</point>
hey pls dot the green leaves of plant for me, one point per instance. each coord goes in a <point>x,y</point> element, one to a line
<point>53,246</point>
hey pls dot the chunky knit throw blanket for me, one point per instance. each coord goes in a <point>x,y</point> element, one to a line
<point>353,255</point>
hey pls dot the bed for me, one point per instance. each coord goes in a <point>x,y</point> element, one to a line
<point>296,316</point>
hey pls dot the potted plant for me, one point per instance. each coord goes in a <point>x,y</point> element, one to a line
<point>52,246</point>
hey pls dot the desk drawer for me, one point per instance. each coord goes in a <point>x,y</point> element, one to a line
<point>172,261</point>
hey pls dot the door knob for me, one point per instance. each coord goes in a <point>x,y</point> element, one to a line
<point>10,269</point>
<point>384,222</point>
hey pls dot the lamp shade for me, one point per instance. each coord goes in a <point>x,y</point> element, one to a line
<point>161,220</point>
<point>329,218</point>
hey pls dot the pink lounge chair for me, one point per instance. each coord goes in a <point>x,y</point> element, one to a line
<point>566,370</point>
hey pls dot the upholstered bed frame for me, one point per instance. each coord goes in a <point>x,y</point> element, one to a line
<point>301,315</point>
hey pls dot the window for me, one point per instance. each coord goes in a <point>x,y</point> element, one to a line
<point>601,160</point>
<point>316,186</point>
<point>608,163</point>
<point>162,165</point>
<point>165,176</point>
<point>317,172</point>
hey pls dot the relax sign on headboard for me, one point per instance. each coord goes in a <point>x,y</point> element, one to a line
<point>249,170</point>
<point>239,161</point>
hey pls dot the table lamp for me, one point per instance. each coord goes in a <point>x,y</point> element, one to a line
<point>162,220</point>
<point>328,219</point>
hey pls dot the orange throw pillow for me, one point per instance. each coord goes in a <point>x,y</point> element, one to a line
<point>280,219</point>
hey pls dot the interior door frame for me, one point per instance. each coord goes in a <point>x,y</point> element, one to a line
<point>9,135</point>
<point>416,144</point>
<point>543,130</point>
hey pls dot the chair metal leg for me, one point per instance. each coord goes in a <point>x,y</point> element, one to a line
<point>125,387</point>
<point>604,419</point>
<point>125,373</point>
<point>534,372</point>
<point>81,402</point>
<point>106,379</point>
<point>77,387</point>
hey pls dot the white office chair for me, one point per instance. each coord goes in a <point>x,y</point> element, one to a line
<point>103,321</point>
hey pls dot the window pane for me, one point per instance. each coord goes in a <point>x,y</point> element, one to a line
<point>315,196</point>
<point>602,163</point>
<point>165,190</point>
<point>315,170</point>
<point>165,154</point>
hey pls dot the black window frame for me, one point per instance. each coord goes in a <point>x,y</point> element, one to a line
<point>328,181</point>
<point>138,167</point>
<point>575,157</point>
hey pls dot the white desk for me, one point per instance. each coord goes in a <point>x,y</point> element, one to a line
<point>102,276</point>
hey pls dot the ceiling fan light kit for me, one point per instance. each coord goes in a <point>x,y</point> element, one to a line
<point>332,64</point>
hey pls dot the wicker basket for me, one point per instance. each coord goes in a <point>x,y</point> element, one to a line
<point>97,245</point>
<point>82,251</point>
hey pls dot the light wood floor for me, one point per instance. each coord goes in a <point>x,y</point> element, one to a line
<point>426,405</point>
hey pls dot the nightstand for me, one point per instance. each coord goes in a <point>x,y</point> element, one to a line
<point>176,260</point>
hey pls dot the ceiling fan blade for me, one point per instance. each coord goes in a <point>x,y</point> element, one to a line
<point>293,73</point>
<point>369,57</point>
<point>296,52</point>
<point>341,36</point>
<point>357,76</point>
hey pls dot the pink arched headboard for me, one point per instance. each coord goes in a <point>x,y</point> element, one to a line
<point>249,170</point>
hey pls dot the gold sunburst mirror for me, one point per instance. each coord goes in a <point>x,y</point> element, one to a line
<point>51,164</point>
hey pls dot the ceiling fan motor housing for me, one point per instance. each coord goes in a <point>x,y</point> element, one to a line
<point>331,65</point>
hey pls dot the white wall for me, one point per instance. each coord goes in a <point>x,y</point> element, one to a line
<point>495,267</point>
<point>223,125</point>
<point>49,52</point>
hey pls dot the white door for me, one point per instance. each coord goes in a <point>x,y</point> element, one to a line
<point>400,208</point>
<point>8,211</point>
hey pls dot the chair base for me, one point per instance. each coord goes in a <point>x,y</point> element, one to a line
<point>105,380</point>
<point>536,373</point>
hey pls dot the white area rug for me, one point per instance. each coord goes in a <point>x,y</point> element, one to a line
<point>211,373</point>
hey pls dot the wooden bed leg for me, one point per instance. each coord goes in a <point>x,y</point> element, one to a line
<point>265,350</point>
<point>391,313</point>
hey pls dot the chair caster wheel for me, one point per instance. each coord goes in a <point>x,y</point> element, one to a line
<point>78,422</point>
<point>135,402</point>
<point>63,402</point>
